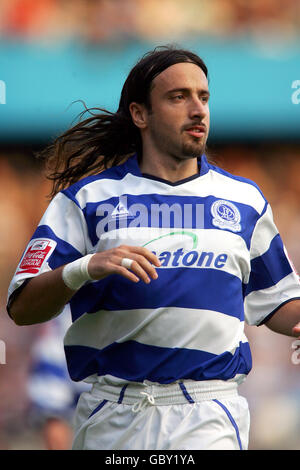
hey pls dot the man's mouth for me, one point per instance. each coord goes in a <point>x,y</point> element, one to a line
<point>196,131</point>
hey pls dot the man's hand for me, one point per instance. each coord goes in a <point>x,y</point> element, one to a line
<point>296,330</point>
<point>109,262</point>
<point>57,434</point>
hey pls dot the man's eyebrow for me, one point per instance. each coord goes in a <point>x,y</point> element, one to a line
<point>173,90</point>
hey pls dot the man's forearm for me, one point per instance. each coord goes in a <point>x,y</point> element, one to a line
<point>45,295</point>
<point>41,299</point>
<point>285,319</point>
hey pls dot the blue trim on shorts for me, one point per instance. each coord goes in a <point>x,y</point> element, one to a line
<point>122,394</point>
<point>232,421</point>
<point>185,393</point>
<point>98,408</point>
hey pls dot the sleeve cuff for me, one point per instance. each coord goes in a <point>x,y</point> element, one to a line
<point>268,317</point>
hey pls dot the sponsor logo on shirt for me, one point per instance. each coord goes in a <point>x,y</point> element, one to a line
<point>183,257</point>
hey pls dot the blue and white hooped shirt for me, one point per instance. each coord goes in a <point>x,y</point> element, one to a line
<point>222,263</point>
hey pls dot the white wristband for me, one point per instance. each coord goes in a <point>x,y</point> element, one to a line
<point>75,274</point>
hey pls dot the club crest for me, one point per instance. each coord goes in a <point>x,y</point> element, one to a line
<point>226,215</point>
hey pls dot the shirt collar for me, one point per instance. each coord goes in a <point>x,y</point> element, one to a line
<point>133,166</point>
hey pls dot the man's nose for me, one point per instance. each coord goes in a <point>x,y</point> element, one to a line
<point>198,108</point>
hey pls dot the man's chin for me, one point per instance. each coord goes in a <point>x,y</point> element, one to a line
<point>193,151</point>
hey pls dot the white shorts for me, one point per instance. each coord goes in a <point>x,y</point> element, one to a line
<point>186,415</point>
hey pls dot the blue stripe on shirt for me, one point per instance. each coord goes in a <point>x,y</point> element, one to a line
<point>191,288</point>
<point>63,253</point>
<point>135,361</point>
<point>178,212</point>
<point>269,268</point>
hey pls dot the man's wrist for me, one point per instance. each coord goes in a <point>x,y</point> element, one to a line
<point>76,274</point>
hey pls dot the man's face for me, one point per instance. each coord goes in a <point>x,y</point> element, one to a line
<point>178,123</point>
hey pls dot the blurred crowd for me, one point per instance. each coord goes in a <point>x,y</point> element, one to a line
<point>96,21</point>
<point>33,376</point>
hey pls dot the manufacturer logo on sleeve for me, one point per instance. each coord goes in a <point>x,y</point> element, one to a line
<point>226,215</point>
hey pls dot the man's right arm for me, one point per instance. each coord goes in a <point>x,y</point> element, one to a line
<point>45,295</point>
<point>41,299</point>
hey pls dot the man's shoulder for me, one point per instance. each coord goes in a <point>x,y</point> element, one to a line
<point>235,188</point>
<point>232,178</point>
<point>116,173</point>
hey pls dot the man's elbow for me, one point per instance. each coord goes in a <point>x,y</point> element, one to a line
<point>24,314</point>
<point>18,315</point>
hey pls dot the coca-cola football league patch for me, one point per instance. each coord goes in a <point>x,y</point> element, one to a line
<point>36,254</point>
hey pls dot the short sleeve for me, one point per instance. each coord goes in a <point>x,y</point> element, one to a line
<point>61,237</point>
<point>273,280</point>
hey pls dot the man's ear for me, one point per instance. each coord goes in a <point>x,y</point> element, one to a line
<point>139,115</point>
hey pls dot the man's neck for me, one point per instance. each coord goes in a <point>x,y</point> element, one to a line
<point>169,168</point>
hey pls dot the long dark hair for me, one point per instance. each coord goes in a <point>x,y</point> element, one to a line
<point>106,139</point>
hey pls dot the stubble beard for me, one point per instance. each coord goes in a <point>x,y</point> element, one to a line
<point>192,150</point>
<point>179,150</point>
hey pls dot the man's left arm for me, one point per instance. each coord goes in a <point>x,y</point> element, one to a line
<point>286,320</point>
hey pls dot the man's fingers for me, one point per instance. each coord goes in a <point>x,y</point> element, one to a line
<point>135,272</point>
<point>143,261</point>
<point>137,268</point>
<point>126,273</point>
<point>140,250</point>
<point>144,264</point>
<point>130,273</point>
<point>112,262</point>
<point>296,328</point>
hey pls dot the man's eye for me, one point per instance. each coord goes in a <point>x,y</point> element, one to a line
<point>178,97</point>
